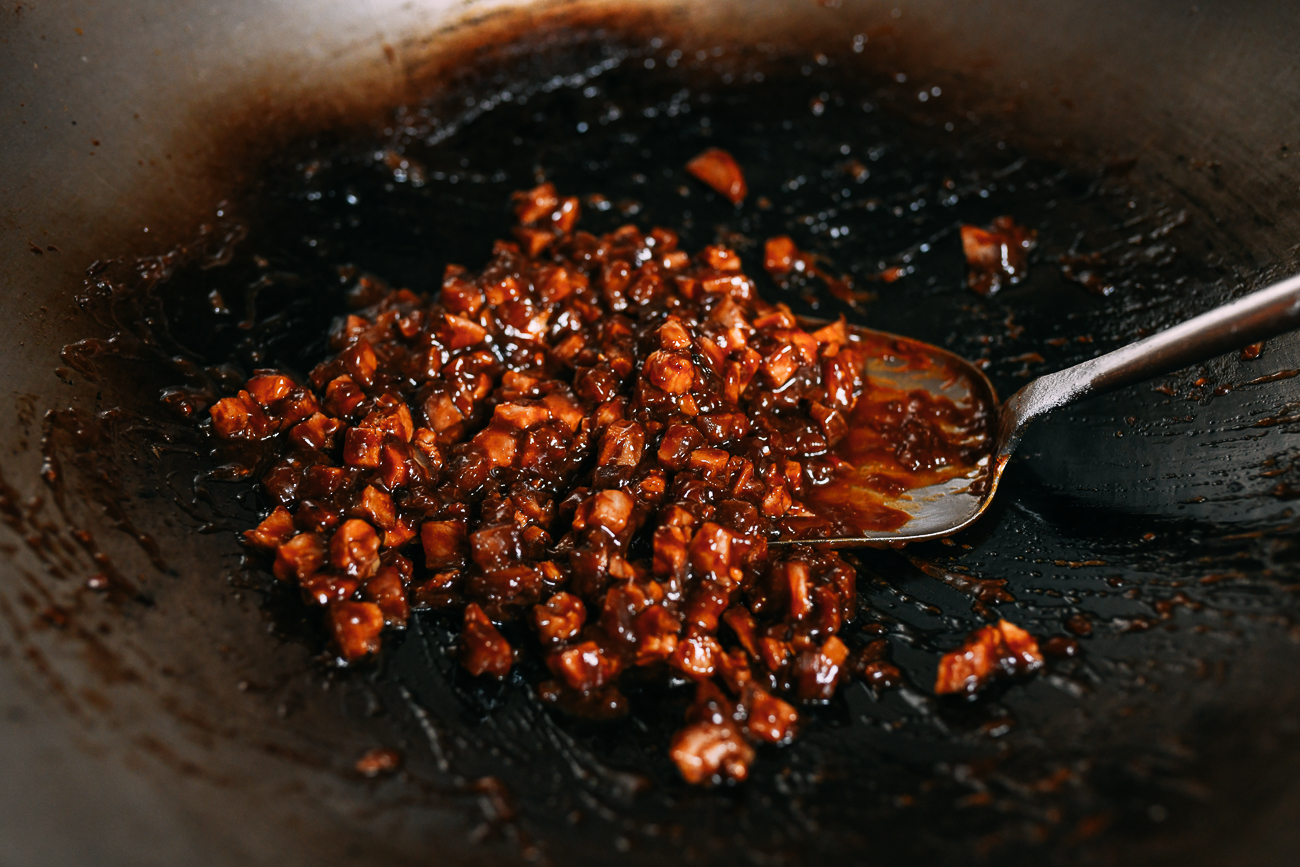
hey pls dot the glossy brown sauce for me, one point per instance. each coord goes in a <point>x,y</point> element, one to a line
<point>899,440</point>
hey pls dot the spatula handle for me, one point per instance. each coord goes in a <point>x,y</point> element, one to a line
<point>1254,317</point>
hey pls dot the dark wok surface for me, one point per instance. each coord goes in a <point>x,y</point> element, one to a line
<point>1169,737</point>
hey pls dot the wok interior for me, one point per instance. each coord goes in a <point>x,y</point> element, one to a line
<point>181,716</point>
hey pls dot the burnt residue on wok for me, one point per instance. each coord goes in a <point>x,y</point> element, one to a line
<point>1160,727</point>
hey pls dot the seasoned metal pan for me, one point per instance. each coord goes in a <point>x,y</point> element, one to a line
<point>177,714</point>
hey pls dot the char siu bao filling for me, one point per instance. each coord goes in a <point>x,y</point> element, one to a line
<point>593,439</point>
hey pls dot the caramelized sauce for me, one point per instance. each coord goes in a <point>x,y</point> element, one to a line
<point>899,440</point>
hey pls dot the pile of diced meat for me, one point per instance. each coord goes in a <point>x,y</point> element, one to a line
<point>587,446</point>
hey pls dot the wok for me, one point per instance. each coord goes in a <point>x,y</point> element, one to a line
<point>181,715</point>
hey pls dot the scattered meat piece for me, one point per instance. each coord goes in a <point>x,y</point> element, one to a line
<point>1061,646</point>
<point>708,749</point>
<point>771,719</point>
<point>378,761</point>
<point>536,204</point>
<point>356,627</point>
<point>781,256</point>
<point>997,256</point>
<point>990,651</point>
<point>719,170</point>
<point>1079,624</point>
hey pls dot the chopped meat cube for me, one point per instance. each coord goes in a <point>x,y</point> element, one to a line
<point>444,543</point>
<point>622,444</point>
<point>990,651</point>
<point>770,719</point>
<point>777,501</point>
<point>696,655</point>
<point>323,588</point>
<point>354,549</point>
<point>269,388</point>
<point>387,591</point>
<point>997,256</point>
<point>300,557</point>
<point>706,750</point>
<point>484,650</point>
<point>229,416</point>
<point>392,419</point>
<point>721,258</point>
<point>316,432</point>
<point>798,575</point>
<point>276,529</point>
<point>719,170</point>
<point>240,418</point>
<point>610,510</point>
<point>499,445</point>
<point>585,666</point>
<point>521,415</point>
<point>781,256</point>
<point>536,204</point>
<point>709,461</point>
<point>461,332</point>
<point>342,396</point>
<point>360,362</point>
<point>673,334</point>
<point>671,551</point>
<point>723,427</point>
<point>656,630</point>
<point>356,627</point>
<point>442,412</point>
<point>300,404</point>
<point>565,409</point>
<point>679,443</point>
<point>377,507</point>
<point>818,670</point>
<point>534,241</point>
<point>671,371</point>
<point>361,447</point>
<point>402,531</point>
<point>781,365</point>
<point>495,547</point>
<point>715,553</point>
<point>561,618</point>
<point>458,294</point>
